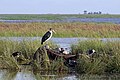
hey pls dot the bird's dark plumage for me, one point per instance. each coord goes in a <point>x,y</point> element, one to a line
<point>45,37</point>
<point>16,53</point>
<point>91,51</point>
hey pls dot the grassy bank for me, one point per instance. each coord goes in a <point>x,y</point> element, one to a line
<point>76,29</point>
<point>53,16</point>
<point>105,60</point>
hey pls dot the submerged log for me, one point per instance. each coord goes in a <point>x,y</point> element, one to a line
<point>70,60</point>
<point>53,55</point>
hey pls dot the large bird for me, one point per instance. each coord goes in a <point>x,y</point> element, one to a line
<point>91,51</point>
<point>47,35</point>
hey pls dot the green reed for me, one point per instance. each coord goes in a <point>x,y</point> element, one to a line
<point>27,48</point>
<point>105,60</point>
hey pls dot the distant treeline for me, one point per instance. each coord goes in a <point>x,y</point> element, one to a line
<point>86,12</point>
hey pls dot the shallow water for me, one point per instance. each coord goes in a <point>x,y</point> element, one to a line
<point>63,42</point>
<point>106,20</point>
<point>45,75</point>
<point>101,20</point>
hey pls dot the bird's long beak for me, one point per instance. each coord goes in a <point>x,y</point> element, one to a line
<point>54,31</point>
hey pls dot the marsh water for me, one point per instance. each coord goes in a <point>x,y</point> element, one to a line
<point>62,42</point>
<point>44,75</point>
<point>72,19</point>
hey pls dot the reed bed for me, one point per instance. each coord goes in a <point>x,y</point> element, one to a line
<point>105,60</point>
<point>27,48</point>
<point>76,29</point>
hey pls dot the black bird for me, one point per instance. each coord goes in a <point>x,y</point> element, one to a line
<point>16,54</point>
<point>91,51</point>
<point>47,35</point>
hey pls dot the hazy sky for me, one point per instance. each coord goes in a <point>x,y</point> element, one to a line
<point>58,6</point>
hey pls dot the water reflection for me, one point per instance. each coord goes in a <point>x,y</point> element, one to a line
<point>7,75</point>
<point>48,75</point>
<point>45,75</point>
<point>35,75</point>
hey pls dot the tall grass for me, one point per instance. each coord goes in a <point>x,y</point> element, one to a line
<point>27,48</point>
<point>105,60</point>
<point>77,29</point>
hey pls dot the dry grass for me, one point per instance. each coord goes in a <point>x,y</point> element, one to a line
<point>62,29</point>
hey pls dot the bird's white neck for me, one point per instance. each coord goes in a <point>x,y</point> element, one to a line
<point>50,31</point>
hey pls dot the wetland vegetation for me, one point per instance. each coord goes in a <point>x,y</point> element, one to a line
<point>105,60</point>
<point>75,29</point>
<point>53,16</point>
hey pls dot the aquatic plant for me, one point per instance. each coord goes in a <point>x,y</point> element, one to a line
<point>105,60</point>
<point>27,48</point>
